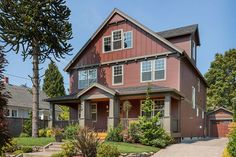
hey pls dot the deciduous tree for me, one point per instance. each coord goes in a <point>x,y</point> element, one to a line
<point>221,78</point>
<point>37,30</point>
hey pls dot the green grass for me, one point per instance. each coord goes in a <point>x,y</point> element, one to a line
<point>133,148</point>
<point>29,141</point>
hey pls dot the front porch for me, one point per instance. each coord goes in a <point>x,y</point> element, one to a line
<point>101,108</point>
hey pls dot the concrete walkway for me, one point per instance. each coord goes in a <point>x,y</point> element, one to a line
<point>195,148</point>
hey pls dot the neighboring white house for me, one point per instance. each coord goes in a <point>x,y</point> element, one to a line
<point>20,103</point>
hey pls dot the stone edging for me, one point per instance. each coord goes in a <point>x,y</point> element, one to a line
<point>144,154</point>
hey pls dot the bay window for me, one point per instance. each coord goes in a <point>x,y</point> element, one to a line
<point>87,78</point>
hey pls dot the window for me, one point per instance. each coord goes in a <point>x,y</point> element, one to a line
<point>117,72</point>
<point>193,97</point>
<point>7,112</point>
<point>94,112</point>
<point>153,70</point>
<point>128,38</point>
<point>158,106</point>
<point>14,113</point>
<point>198,85</point>
<point>117,39</point>
<point>193,51</point>
<point>107,44</point>
<point>203,114</point>
<point>159,69</point>
<point>87,77</point>
<point>197,112</point>
<point>146,71</point>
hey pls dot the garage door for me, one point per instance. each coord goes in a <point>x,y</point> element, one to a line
<point>220,128</point>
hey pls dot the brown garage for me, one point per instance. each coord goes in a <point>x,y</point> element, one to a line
<point>218,122</point>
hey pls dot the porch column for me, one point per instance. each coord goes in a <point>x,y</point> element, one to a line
<point>53,115</point>
<point>85,115</point>
<point>167,112</point>
<point>114,110</point>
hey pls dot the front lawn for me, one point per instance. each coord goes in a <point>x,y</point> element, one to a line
<point>30,141</point>
<point>133,148</point>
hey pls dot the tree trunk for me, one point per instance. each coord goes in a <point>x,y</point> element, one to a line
<point>35,90</point>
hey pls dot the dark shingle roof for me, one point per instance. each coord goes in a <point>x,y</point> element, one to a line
<point>63,98</point>
<point>178,31</point>
<point>22,97</point>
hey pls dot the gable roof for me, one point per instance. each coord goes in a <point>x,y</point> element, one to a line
<point>117,11</point>
<point>185,30</point>
<point>220,108</point>
<point>22,97</point>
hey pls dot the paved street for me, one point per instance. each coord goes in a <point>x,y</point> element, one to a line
<point>191,148</point>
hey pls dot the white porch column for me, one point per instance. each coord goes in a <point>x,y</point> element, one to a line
<point>85,115</point>
<point>114,110</point>
<point>167,114</point>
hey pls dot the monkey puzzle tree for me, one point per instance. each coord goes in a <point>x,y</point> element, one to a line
<point>38,30</point>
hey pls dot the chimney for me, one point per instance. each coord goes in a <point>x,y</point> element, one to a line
<point>6,80</point>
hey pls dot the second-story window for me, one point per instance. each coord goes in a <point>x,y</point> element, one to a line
<point>87,77</point>
<point>117,75</point>
<point>153,70</point>
<point>193,97</point>
<point>117,39</point>
<point>193,51</point>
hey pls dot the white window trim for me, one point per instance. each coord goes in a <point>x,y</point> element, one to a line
<point>193,50</point>
<point>131,40</point>
<point>141,102</point>
<point>199,85</point>
<point>103,50</point>
<point>116,84</point>
<point>122,39</point>
<point>203,114</point>
<point>193,97</point>
<point>197,112</point>
<point>153,71</point>
<point>87,76</point>
<point>94,112</point>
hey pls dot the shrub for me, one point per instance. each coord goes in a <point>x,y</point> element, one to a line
<point>49,133</point>
<point>26,149</point>
<point>24,135</point>
<point>115,134</point>
<point>232,141</point>
<point>10,147</point>
<point>42,132</point>
<point>107,150</point>
<point>86,141</point>
<point>27,126</point>
<point>57,155</point>
<point>226,153</point>
<point>69,149</point>
<point>133,132</point>
<point>71,131</point>
<point>17,152</point>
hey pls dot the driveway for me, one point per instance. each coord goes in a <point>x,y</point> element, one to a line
<point>195,148</point>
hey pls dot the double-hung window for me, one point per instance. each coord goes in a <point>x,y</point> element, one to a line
<point>128,37</point>
<point>146,71</point>
<point>94,112</point>
<point>153,70</point>
<point>159,69</point>
<point>117,39</point>
<point>107,44</point>
<point>193,97</point>
<point>117,75</point>
<point>14,113</point>
<point>87,77</point>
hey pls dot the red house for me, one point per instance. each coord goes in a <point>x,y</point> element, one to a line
<point>119,61</point>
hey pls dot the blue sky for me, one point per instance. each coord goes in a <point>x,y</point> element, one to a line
<point>216,19</point>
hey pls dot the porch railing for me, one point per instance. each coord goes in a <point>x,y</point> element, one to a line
<point>125,122</point>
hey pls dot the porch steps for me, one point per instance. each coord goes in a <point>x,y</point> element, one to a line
<point>102,135</point>
<point>49,150</point>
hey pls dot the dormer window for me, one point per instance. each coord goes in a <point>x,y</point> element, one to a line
<point>194,51</point>
<point>118,40</point>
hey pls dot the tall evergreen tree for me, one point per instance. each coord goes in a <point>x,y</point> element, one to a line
<point>4,137</point>
<point>222,81</point>
<point>38,30</point>
<point>53,86</point>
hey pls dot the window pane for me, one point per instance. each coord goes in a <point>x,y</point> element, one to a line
<point>92,77</point>
<point>117,35</point>
<point>146,66</point>
<point>159,74</point>
<point>127,39</point>
<point>94,116</point>
<point>117,70</point>
<point>117,79</point>
<point>117,40</point>
<point>107,44</point>
<point>83,75</point>
<point>117,45</point>
<point>159,64</point>
<point>146,76</point>
<point>14,113</point>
